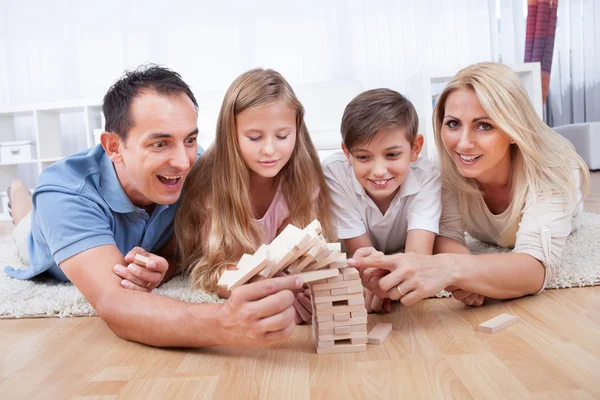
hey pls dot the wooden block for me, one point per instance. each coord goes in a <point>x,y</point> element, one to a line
<point>349,322</point>
<point>350,274</point>
<point>359,314</point>
<point>229,275</point>
<point>341,317</point>
<point>338,264</point>
<point>379,333</point>
<point>338,291</point>
<point>324,318</point>
<point>340,309</point>
<point>322,306</point>
<point>334,247</point>
<point>314,226</point>
<point>325,344</point>
<point>318,275</point>
<point>337,278</point>
<point>326,331</point>
<point>338,330</point>
<point>354,289</point>
<point>343,348</point>
<point>359,340</point>
<point>334,285</point>
<point>498,323</point>
<point>349,335</point>
<point>141,260</point>
<point>357,301</point>
<point>248,266</point>
<point>321,293</point>
<point>329,299</point>
<point>326,261</point>
<point>302,262</point>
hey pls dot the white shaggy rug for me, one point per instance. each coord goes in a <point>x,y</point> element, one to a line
<point>48,298</point>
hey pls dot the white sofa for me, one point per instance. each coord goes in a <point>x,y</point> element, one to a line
<point>586,139</point>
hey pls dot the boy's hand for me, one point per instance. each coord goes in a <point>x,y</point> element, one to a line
<point>376,304</point>
<point>470,299</point>
<point>137,276</point>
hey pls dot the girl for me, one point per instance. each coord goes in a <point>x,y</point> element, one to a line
<point>509,180</point>
<point>261,173</point>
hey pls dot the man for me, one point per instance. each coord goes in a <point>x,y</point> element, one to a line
<point>92,211</point>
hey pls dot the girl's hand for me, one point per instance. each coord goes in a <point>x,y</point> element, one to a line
<point>137,276</point>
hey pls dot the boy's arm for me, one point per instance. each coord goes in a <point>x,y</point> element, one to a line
<point>355,243</point>
<point>419,241</point>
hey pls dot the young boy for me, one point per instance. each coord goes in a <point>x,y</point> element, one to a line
<point>384,195</point>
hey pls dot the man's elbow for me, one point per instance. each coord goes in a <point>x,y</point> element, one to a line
<point>109,310</point>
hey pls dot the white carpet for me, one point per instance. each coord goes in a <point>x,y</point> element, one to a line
<point>48,298</point>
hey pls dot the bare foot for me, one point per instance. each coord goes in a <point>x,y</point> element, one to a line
<point>19,199</point>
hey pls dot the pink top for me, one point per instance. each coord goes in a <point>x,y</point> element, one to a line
<point>274,217</point>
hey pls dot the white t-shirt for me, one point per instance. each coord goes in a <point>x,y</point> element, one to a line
<point>417,205</point>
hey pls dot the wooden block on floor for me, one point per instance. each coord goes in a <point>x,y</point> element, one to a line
<point>341,297</point>
<point>349,322</point>
<point>379,333</point>
<point>338,291</point>
<point>141,260</point>
<point>359,314</point>
<point>342,348</point>
<point>341,317</point>
<point>498,323</point>
<point>318,275</point>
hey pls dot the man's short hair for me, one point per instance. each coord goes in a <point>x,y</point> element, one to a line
<point>117,101</point>
<point>374,110</point>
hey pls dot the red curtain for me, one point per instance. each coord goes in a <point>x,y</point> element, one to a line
<point>539,37</point>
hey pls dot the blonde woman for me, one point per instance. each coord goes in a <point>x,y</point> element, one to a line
<point>261,173</point>
<point>509,180</point>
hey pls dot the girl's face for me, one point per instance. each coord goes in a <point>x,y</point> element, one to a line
<point>477,146</point>
<point>267,136</point>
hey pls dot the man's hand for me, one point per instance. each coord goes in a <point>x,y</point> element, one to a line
<point>260,314</point>
<point>139,277</point>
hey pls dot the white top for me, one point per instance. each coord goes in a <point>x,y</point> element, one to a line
<point>542,233</point>
<point>417,205</point>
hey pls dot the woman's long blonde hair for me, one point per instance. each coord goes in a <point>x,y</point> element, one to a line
<point>542,161</point>
<point>215,223</point>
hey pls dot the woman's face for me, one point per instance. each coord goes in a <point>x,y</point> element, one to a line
<point>477,146</point>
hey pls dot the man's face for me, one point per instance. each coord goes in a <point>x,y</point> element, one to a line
<point>160,148</point>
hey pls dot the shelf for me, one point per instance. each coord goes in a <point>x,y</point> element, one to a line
<point>19,162</point>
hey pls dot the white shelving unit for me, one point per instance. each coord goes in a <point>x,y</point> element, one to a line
<point>428,85</point>
<point>55,131</point>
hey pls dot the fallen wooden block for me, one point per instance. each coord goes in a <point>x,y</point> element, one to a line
<point>141,260</point>
<point>498,323</point>
<point>343,348</point>
<point>379,333</point>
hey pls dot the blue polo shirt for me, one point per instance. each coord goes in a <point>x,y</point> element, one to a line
<point>80,204</point>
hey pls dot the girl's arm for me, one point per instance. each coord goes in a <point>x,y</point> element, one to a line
<point>419,241</point>
<point>444,244</point>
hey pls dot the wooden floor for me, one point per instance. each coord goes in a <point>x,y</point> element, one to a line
<point>434,351</point>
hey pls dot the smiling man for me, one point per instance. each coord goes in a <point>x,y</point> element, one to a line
<point>91,211</point>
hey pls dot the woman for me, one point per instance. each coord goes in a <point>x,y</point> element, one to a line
<point>509,180</point>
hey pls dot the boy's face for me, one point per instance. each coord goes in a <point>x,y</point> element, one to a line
<point>381,165</point>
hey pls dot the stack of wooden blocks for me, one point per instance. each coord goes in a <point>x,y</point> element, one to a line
<point>339,314</point>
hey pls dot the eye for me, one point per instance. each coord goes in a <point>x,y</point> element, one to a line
<point>361,158</point>
<point>484,126</point>
<point>394,155</point>
<point>254,138</point>
<point>282,137</point>
<point>452,124</point>
<point>191,140</point>
<point>159,145</point>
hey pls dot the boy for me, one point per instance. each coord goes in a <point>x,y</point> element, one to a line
<point>384,195</point>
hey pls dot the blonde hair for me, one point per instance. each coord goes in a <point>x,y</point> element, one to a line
<point>215,222</point>
<point>542,161</point>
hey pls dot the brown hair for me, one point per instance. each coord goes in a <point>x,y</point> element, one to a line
<point>374,110</point>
